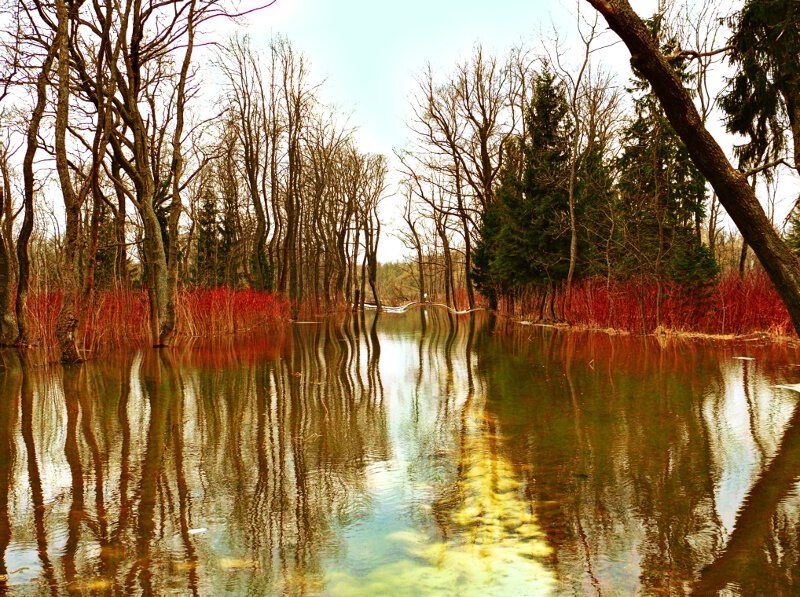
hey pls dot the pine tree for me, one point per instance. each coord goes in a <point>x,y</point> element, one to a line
<point>765,91</point>
<point>594,197</point>
<point>230,250</point>
<point>204,272</point>
<point>106,252</point>
<point>793,234</point>
<point>662,197</point>
<point>524,237</point>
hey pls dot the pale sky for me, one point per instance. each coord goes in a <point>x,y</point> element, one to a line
<point>368,53</point>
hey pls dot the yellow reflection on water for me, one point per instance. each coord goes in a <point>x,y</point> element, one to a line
<point>494,544</point>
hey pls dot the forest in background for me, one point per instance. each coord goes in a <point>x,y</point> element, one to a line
<point>126,190</point>
<point>136,209</point>
<point>551,190</point>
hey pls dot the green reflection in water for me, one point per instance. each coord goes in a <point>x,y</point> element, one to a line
<point>494,543</point>
<point>414,454</point>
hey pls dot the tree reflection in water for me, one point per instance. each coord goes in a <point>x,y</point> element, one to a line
<point>405,455</point>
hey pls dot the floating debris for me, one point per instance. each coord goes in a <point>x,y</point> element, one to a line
<point>744,358</point>
<point>198,531</point>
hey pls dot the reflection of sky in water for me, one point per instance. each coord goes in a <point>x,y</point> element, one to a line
<point>397,549</point>
<point>499,548</point>
<point>549,476</point>
<point>736,431</point>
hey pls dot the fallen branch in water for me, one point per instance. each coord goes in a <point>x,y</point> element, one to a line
<point>404,308</point>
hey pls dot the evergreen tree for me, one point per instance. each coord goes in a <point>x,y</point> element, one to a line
<point>524,237</point>
<point>662,197</point>
<point>765,91</point>
<point>793,234</point>
<point>206,266</point>
<point>230,251</point>
<point>489,282</point>
<point>595,195</point>
<point>105,267</point>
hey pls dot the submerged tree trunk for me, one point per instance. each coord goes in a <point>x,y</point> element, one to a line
<point>731,186</point>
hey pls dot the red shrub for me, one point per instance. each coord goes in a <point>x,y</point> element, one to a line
<point>121,317</point>
<point>733,305</point>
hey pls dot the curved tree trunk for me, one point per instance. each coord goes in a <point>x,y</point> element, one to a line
<point>23,259</point>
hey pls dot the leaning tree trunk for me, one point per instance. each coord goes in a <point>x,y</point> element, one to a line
<point>735,194</point>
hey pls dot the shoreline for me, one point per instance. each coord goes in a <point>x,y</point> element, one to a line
<point>664,333</point>
<point>659,332</point>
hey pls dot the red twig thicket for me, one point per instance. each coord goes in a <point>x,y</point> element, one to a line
<point>732,305</point>
<point>121,318</point>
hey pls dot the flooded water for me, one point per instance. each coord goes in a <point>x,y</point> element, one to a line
<point>409,455</point>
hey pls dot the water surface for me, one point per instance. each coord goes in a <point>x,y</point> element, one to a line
<point>404,455</point>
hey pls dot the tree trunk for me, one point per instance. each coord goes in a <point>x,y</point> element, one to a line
<point>734,193</point>
<point>374,230</point>
<point>468,262</point>
<point>68,315</point>
<point>89,282</point>
<point>8,326</point>
<point>121,250</point>
<point>23,259</point>
<point>421,275</point>
<point>155,268</point>
<point>743,259</point>
<point>170,321</point>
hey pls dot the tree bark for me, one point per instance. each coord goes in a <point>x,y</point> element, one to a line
<point>68,315</point>
<point>735,194</point>
<point>8,326</point>
<point>743,260</point>
<point>169,323</point>
<point>23,259</point>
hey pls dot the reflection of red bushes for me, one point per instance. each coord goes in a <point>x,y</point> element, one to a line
<point>247,349</point>
<point>732,306</point>
<point>121,318</point>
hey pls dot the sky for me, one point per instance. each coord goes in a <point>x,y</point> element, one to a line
<point>368,52</point>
